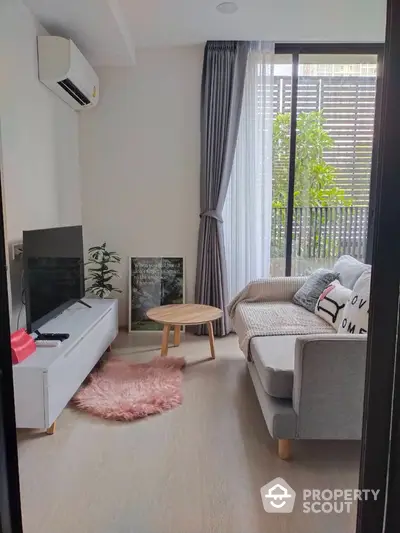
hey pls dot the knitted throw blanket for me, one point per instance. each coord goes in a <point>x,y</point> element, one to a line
<point>264,307</point>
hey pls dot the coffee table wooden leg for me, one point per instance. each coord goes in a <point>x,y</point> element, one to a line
<point>165,339</point>
<point>211,338</point>
<point>177,335</point>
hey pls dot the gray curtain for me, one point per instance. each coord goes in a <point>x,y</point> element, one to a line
<point>224,69</point>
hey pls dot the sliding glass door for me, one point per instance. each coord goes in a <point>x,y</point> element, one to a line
<point>299,189</point>
<point>324,111</point>
<point>335,128</point>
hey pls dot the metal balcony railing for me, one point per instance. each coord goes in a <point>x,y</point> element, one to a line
<point>321,232</point>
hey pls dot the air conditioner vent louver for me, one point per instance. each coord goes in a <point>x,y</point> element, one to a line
<point>74,92</point>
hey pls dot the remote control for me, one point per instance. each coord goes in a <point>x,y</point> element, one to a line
<point>47,344</point>
<point>51,336</point>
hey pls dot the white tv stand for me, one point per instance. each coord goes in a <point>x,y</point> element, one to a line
<point>46,381</point>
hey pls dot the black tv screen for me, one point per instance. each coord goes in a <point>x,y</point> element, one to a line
<point>53,272</point>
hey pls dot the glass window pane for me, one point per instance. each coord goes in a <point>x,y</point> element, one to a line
<point>335,126</point>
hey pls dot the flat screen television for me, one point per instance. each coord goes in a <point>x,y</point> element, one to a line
<point>53,272</point>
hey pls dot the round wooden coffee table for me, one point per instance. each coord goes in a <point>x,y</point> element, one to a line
<point>178,315</point>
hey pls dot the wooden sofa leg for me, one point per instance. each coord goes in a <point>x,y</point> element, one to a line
<point>284,449</point>
<point>51,429</point>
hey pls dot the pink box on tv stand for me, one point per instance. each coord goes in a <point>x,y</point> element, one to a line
<point>22,346</point>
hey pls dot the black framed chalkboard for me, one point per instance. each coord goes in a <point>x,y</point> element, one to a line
<point>153,281</point>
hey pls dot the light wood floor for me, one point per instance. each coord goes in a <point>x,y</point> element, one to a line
<point>197,469</point>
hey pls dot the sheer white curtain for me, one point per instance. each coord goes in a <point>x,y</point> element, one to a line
<point>247,210</point>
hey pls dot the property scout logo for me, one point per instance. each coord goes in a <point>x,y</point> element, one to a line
<point>279,497</point>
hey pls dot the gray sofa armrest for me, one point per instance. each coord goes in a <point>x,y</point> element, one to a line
<point>268,290</point>
<point>328,388</point>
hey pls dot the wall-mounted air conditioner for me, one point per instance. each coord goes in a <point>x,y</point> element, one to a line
<point>66,72</point>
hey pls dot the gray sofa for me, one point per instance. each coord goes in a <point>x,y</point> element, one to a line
<point>310,382</point>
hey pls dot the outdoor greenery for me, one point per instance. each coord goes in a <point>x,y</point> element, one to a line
<point>314,177</point>
<point>99,272</point>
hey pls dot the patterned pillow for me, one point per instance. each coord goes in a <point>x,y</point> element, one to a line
<point>308,294</point>
<point>356,311</point>
<point>331,303</point>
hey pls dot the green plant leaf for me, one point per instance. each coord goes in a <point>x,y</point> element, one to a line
<point>99,273</point>
<point>315,179</point>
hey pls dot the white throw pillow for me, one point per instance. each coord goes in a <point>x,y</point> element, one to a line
<point>355,314</point>
<point>331,303</point>
<point>349,270</point>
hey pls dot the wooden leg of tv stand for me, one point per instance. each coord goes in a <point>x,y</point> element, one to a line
<point>51,429</point>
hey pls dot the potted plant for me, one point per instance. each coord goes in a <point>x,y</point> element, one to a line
<point>100,274</point>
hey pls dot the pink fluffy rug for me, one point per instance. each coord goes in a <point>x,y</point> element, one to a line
<point>122,390</point>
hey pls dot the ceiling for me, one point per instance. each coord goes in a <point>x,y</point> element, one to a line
<point>107,31</point>
<point>176,22</point>
<point>98,28</point>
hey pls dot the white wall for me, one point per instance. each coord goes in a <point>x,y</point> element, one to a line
<point>39,134</point>
<point>140,159</point>
<point>67,166</point>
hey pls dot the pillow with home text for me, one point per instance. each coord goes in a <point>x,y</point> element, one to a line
<point>356,311</point>
<point>331,303</point>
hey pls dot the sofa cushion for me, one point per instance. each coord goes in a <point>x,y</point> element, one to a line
<point>307,296</point>
<point>349,270</point>
<point>259,319</point>
<point>273,358</point>
<point>356,311</point>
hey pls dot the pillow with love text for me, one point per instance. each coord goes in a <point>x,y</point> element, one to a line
<point>356,311</point>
